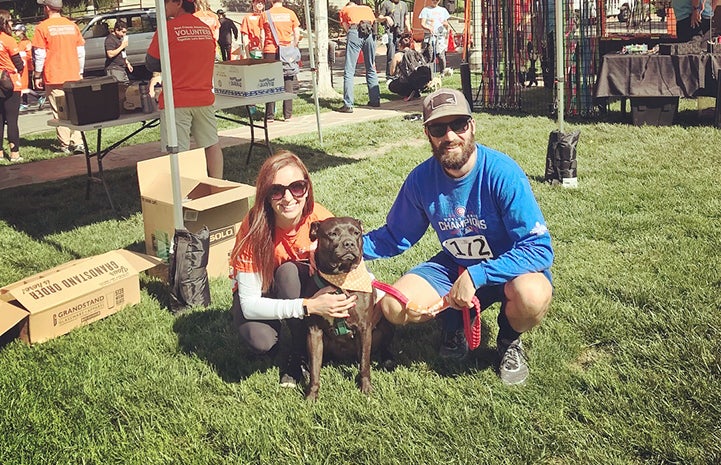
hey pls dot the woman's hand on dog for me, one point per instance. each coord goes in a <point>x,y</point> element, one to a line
<point>326,303</point>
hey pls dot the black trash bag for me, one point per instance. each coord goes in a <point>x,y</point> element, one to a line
<point>561,158</point>
<point>188,275</point>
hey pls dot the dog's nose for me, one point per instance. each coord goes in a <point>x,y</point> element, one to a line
<point>349,243</point>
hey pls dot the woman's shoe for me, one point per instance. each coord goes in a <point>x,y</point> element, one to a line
<point>15,157</point>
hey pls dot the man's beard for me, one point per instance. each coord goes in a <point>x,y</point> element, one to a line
<point>451,161</point>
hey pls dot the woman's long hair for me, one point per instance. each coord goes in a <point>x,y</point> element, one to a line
<point>261,218</point>
<point>5,19</point>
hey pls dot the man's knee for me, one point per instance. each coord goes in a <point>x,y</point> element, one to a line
<point>529,296</point>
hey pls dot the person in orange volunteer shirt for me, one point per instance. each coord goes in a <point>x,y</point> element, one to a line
<point>26,53</point>
<point>192,55</point>
<point>357,20</point>
<point>12,63</point>
<point>59,54</point>
<point>250,31</point>
<point>288,28</point>
<point>271,274</point>
<point>208,16</point>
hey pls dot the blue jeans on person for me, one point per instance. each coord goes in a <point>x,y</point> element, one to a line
<point>390,51</point>
<point>353,49</point>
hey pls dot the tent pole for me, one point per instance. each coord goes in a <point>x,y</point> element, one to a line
<point>313,69</point>
<point>169,113</point>
<point>560,63</point>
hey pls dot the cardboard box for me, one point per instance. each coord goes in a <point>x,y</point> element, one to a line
<point>248,78</point>
<point>92,100</point>
<point>654,111</point>
<point>215,203</point>
<point>56,301</point>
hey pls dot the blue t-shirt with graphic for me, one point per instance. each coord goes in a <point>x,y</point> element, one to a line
<point>488,221</point>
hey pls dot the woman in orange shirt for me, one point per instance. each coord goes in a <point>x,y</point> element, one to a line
<point>271,269</point>
<point>26,53</point>
<point>12,63</point>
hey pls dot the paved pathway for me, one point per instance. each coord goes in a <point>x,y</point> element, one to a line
<point>65,167</point>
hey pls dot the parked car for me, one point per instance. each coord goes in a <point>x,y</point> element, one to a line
<point>141,27</point>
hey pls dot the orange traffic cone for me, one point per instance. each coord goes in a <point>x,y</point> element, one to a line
<point>451,44</point>
<point>360,57</point>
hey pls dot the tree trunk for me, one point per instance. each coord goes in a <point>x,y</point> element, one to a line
<point>325,89</point>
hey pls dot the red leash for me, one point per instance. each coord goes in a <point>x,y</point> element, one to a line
<point>473,334</point>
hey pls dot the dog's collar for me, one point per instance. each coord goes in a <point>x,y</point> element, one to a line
<point>357,280</point>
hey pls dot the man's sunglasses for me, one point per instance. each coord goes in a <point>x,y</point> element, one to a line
<point>297,189</point>
<point>458,125</point>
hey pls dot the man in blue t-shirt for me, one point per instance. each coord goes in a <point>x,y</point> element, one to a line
<point>494,240</point>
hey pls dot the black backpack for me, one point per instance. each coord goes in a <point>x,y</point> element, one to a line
<point>411,61</point>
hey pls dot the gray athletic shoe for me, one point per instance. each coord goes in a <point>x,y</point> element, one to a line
<point>454,345</point>
<point>513,367</point>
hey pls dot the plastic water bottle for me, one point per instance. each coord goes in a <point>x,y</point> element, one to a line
<point>146,102</point>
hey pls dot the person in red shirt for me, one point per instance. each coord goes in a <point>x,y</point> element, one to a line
<point>250,30</point>
<point>288,27</point>
<point>271,264</point>
<point>59,54</point>
<point>12,64</point>
<point>192,55</point>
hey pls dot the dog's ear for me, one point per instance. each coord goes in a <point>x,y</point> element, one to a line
<point>358,224</point>
<point>313,234</point>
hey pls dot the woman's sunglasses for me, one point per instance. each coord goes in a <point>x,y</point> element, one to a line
<point>459,126</point>
<point>297,189</point>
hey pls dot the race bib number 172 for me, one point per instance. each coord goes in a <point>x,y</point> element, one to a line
<point>471,247</point>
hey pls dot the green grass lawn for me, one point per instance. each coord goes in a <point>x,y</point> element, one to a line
<point>626,367</point>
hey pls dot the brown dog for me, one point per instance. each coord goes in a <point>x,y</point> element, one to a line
<point>338,260</point>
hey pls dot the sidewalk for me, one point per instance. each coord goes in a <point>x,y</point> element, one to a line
<point>66,167</point>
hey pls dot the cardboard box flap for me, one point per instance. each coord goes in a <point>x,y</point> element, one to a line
<point>6,293</point>
<point>139,261</point>
<point>217,195</point>
<point>190,163</point>
<point>10,315</point>
<point>83,277</point>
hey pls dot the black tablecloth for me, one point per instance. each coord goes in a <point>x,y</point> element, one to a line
<point>657,75</point>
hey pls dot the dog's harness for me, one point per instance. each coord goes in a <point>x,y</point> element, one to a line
<point>338,325</point>
<point>473,333</point>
